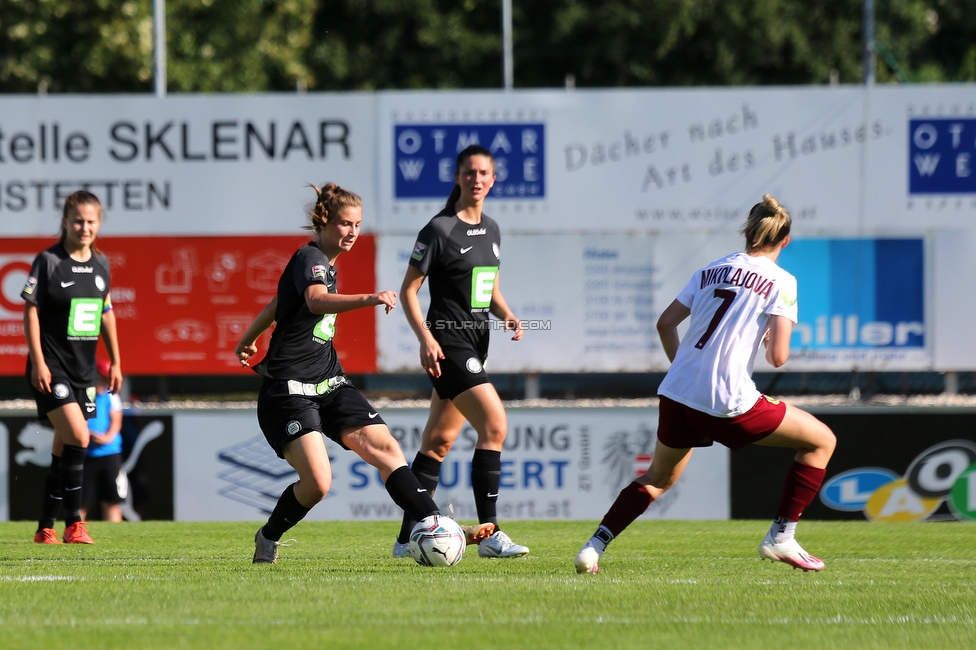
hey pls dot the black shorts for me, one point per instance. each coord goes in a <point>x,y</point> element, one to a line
<point>101,482</point>
<point>287,411</point>
<point>461,369</point>
<point>62,393</point>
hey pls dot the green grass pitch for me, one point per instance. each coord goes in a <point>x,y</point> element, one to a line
<point>669,584</point>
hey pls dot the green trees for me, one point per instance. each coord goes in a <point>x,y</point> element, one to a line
<point>267,45</point>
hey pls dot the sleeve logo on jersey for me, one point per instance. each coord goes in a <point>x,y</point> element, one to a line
<point>482,283</point>
<point>85,318</point>
<point>30,286</point>
<point>494,249</point>
<point>419,250</point>
<point>318,272</point>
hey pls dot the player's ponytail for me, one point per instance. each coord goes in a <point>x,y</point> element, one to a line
<point>470,150</point>
<point>767,225</point>
<point>328,202</point>
<point>71,204</point>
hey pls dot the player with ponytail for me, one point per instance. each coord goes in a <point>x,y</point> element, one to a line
<point>737,304</point>
<point>305,392</point>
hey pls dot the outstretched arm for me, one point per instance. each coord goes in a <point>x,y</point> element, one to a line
<point>320,301</point>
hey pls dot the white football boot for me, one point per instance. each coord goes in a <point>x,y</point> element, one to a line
<point>588,560</point>
<point>501,545</point>
<point>789,552</point>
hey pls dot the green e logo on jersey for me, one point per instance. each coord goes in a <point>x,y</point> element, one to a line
<point>482,282</point>
<point>325,328</point>
<point>85,317</point>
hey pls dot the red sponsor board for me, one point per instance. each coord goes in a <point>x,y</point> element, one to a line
<point>182,303</point>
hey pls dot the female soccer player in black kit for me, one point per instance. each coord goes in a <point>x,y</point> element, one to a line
<point>66,307</point>
<point>305,390</point>
<point>458,252</point>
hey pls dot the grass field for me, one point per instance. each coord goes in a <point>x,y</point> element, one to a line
<point>662,585</point>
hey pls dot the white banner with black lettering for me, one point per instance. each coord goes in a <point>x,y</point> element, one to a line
<point>849,160</point>
<point>557,464</point>
<point>190,164</point>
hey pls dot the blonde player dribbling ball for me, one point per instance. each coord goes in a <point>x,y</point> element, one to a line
<point>736,304</point>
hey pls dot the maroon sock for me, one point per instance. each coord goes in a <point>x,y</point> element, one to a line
<point>631,503</point>
<point>799,489</point>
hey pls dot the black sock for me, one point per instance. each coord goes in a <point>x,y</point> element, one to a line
<point>287,512</point>
<point>51,504</point>
<point>428,473</point>
<point>486,477</point>
<point>72,471</point>
<point>407,493</point>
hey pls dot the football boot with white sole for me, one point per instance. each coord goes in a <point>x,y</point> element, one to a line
<point>789,552</point>
<point>501,545</point>
<point>588,560</point>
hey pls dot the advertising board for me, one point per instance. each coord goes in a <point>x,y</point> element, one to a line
<point>567,464</point>
<point>182,303</point>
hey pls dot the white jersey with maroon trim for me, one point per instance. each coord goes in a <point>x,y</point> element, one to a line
<point>731,301</point>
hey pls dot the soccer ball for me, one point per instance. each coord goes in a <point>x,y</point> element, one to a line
<point>437,541</point>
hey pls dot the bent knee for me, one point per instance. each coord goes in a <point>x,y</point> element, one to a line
<point>495,431</point>
<point>314,490</point>
<point>662,482</point>
<point>828,441</point>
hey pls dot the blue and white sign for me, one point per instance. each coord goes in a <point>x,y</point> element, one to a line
<point>941,156</point>
<point>849,491</point>
<point>425,156</point>
<point>860,301</point>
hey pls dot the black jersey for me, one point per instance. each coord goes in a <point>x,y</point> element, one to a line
<point>301,344</point>
<point>461,262</point>
<point>70,297</point>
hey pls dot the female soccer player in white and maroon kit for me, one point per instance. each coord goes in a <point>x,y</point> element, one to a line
<point>736,304</point>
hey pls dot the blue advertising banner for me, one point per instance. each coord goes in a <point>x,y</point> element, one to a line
<point>940,156</point>
<point>858,298</point>
<point>425,156</point>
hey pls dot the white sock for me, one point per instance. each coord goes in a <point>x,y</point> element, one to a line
<point>782,530</point>
<point>600,539</point>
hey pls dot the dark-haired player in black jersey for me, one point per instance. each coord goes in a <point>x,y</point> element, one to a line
<point>458,253</point>
<point>67,307</point>
<point>305,390</point>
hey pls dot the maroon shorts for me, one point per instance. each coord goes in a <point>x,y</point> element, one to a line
<point>681,427</point>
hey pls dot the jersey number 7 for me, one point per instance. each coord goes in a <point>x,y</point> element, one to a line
<point>727,296</point>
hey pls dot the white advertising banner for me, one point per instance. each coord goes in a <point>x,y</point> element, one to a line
<point>193,164</point>
<point>881,184</point>
<point>588,301</point>
<point>557,464</point>
<point>846,160</point>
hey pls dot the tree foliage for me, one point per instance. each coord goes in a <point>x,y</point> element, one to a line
<point>268,45</point>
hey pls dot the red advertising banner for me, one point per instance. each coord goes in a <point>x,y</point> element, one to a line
<point>182,303</point>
